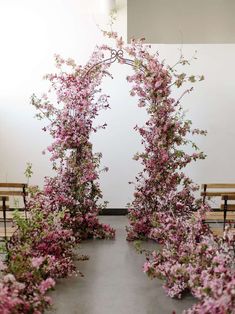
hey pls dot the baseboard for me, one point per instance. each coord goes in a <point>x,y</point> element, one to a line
<point>114,212</point>
<point>104,212</point>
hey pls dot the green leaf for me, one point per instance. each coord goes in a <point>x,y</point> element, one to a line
<point>192,79</point>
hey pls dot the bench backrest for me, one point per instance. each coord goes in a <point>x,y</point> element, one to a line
<point>209,190</point>
<point>8,192</point>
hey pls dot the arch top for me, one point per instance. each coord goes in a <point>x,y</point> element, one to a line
<point>115,55</point>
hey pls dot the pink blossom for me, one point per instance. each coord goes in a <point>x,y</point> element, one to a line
<point>47,284</point>
<point>37,261</point>
<point>146,267</point>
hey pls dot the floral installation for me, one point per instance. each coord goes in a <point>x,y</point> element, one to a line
<point>78,102</point>
<point>161,185</point>
<point>65,211</point>
<point>164,208</point>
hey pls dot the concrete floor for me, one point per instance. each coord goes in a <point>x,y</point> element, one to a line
<point>114,282</point>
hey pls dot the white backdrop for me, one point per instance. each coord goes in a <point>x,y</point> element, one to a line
<point>31,31</point>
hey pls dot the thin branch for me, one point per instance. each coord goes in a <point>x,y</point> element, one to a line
<point>187,91</point>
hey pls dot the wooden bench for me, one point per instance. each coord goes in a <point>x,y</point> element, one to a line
<point>229,209</point>
<point>209,190</point>
<point>5,231</point>
<point>9,191</point>
<point>219,231</point>
<point>219,215</point>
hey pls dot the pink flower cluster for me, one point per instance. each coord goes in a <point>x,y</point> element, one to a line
<point>15,299</point>
<point>40,252</point>
<point>193,259</point>
<point>10,291</point>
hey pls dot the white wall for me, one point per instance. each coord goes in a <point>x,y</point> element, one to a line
<point>184,21</point>
<point>31,31</point>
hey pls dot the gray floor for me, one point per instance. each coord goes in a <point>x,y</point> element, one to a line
<point>114,282</point>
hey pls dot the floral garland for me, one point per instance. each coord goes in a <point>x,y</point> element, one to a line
<point>192,258</point>
<point>161,186</point>
<point>65,212</point>
<point>79,101</point>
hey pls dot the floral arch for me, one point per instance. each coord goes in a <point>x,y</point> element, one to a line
<point>79,100</point>
<point>191,257</point>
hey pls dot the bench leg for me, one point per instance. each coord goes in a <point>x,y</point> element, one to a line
<point>4,216</point>
<point>225,210</point>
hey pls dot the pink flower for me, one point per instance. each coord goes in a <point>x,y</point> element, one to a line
<point>37,261</point>
<point>45,285</point>
<point>146,267</point>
